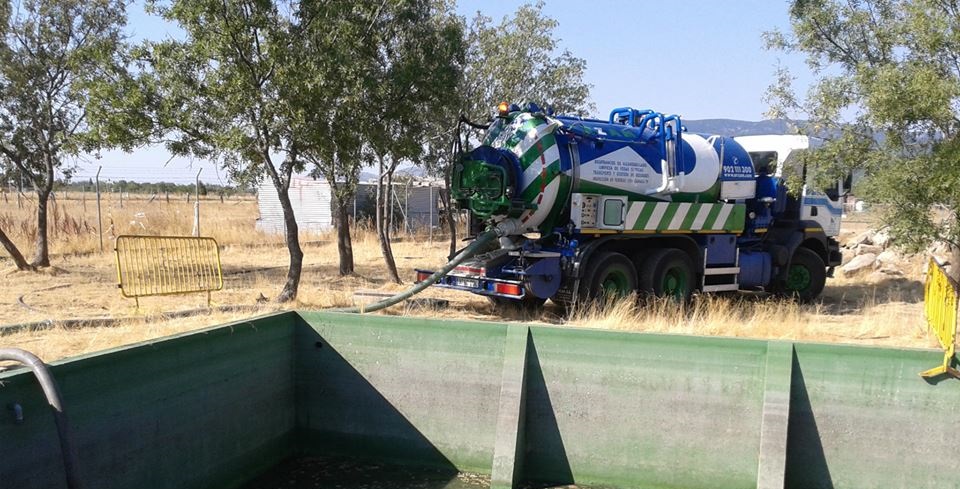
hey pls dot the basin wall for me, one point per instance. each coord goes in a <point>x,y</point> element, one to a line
<point>199,410</point>
<point>520,403</point>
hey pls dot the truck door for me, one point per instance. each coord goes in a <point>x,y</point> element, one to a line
<point>823,207</point>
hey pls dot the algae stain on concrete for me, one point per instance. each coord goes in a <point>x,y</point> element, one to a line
<point>340,473</point>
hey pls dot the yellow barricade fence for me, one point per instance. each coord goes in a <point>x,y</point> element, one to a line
<point>167,265</point>
<point>940,307</point>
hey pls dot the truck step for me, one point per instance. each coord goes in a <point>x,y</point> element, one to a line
<point>720,287</point>
<point>721,271</point>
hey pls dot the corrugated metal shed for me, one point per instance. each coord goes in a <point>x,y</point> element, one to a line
<point>311,199</point>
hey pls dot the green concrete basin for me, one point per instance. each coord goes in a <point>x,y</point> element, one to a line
<point>310,399</point>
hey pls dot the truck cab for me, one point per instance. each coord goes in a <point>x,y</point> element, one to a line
<point>781,153</point>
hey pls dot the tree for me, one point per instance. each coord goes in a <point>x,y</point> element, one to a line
<point>517,60</point>
<point>377,57</point>
<point>418,69</point>
<point>54,55</point>
<point>224,93</point>
<point>886,96</point>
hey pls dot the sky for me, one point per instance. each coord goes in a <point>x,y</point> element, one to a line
<point>698,58</point>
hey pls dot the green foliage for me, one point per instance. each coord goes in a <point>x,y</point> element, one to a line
<point>152,188</point>
<point>886,97</point>
<point>517,60</point>
<point>387,70</point>
<point>216,94</point>
<point>412,79</point>
<point>54,54</point>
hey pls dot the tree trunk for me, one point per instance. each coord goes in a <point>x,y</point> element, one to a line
<point>14,252</point>
<point>41,257</point>
<point>384,204</point>
<point>344,245</point>
<point>292,235</point>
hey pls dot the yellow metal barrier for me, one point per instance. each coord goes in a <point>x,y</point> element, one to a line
<point>167,265</point>
<point>940,307</point>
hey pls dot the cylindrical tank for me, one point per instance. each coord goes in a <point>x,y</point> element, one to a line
<point>537,161</point>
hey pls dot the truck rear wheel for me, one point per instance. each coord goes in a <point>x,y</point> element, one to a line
<point>806,276</point>
<point>667,273</point>
<point>611,274</point>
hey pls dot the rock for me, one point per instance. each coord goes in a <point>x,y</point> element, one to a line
<point>938,248</point>
<point>881,238</point>
<point>888,257</point>
<point>864,239</point>
<point>859,263</point>
<point>864,249</point>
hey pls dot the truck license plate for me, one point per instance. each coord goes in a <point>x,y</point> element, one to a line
<point>468,282</point>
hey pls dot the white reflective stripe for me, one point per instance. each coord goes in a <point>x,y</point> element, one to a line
<point>701,217</point>
<point>633,214</point>
<point>725,210</point>
<point>536,217</point>
<point>531,137</point>
<point>677,220</point>
<point>658,210</point>
<point>537,166</point>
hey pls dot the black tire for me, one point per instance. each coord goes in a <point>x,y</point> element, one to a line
<point>529,303</point>
<point>667,273</point>
<point>608,273</point>
<point>806,276</point>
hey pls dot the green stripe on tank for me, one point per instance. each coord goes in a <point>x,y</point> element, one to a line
<point>736,219</point>
<point>668,216</point>
<point>645,213</point>
<point>712,216</point>
<point>521,132</point>
<point>534,152</point>
<point>530,193</point>
<point>691,216</point>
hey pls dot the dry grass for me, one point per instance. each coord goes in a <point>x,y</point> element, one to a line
<point>875,309</point>
<point>72,220</point>
<point>60,342</point>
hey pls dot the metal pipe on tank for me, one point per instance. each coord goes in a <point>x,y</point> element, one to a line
<point>52,392</point>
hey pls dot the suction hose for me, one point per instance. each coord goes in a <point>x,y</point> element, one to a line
<point>505,228</point>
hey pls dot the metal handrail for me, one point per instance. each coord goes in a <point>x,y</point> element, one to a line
<point>50,390</point>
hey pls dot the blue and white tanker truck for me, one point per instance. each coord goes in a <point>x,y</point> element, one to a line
<point>584,208</point>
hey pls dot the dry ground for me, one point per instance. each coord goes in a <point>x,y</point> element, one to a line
<point>875,309</point>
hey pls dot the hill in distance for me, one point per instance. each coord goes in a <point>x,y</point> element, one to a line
<point>733,127</point>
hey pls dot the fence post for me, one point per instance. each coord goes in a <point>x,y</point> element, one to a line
<point>432,203</point>
<point>99,218</point>
<point>196,207</point>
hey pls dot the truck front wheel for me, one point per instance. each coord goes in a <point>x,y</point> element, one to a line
<point>806,276</point>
